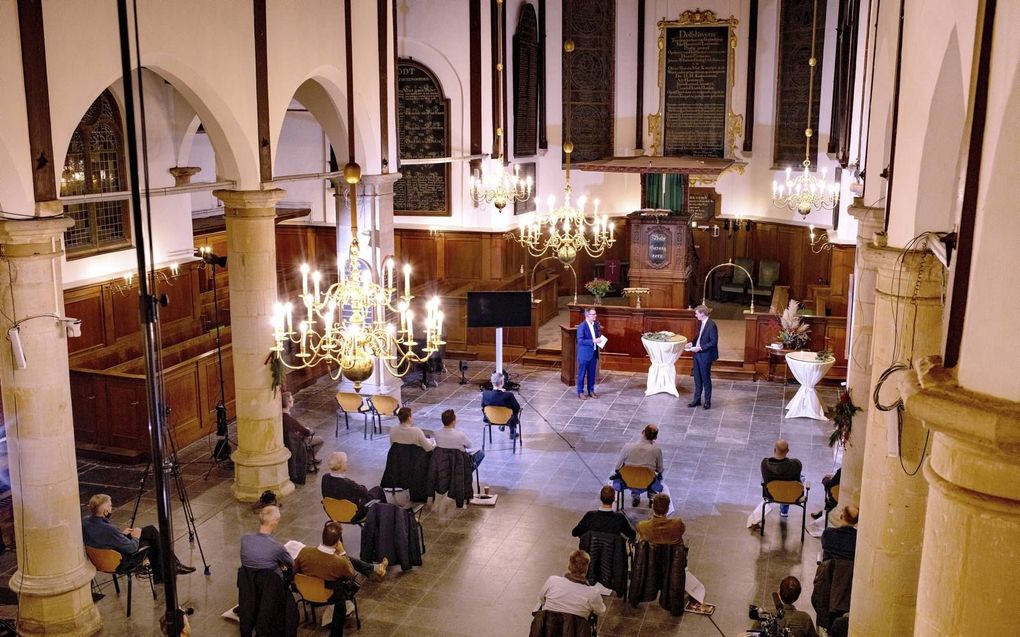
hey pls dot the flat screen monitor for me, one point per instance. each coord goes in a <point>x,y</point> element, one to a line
<point>499,309</point>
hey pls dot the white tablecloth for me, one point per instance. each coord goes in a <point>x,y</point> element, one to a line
<point>808,370</point>
<point>662,373</point>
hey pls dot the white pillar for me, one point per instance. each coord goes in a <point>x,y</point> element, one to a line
<point>53,574</point>
<point>260,461</point>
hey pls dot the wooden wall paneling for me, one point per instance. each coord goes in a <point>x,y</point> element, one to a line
<point>86,304</point>
<point>84,412</point>
<point>465,256</point>
<point>127,414</point>
<point>182,397</point>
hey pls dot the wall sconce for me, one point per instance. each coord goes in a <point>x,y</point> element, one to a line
<point>747,225</point>
<point>726,225</point>
<point>123,288</point>
<point>819,242</point>
<point>209,257</point>
<point>715,231</point>
<point>435,232</point>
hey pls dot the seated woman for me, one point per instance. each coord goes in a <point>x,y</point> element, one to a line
<point>571,593</point>
<point>660,529</point>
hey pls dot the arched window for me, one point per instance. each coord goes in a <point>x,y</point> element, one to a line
<point>95,163</point>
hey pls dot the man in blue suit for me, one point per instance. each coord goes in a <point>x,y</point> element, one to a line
<point>588,333</point>
<point>705,350</point>
<point>499,397</point>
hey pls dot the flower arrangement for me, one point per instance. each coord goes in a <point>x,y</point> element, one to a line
<point>661,337</point>
<point>794,334</point>
<point>598,287</point>
<point>842,414</point>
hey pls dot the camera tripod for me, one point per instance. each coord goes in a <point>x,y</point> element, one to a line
<point>221,452</point>
<point>172,469</point>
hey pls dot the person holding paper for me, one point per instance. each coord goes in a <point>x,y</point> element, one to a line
<point>589,340</point>
<point>705,350</point>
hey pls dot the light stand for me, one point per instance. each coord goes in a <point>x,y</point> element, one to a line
<point>148,316</point>
<point>222,450</point>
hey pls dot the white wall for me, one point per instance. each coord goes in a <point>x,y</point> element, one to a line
<point>16,194</point>
<point>747,195</point>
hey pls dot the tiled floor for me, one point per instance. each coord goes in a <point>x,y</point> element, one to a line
<point>484,566</point>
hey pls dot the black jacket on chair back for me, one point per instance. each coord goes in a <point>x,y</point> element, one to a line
<point>608,566</point>
<point>407,467</point>
<point>450,473</point>
<point>265,606</point>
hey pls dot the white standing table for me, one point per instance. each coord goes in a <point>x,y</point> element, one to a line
<point>808,370</point>
<point>662,372</point>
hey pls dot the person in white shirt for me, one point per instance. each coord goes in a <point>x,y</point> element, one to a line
<point>571,592</point>
<point>449,437</point>
<point>642,453</point>
<point>407,434</point>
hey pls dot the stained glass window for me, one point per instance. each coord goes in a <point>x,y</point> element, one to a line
<point>95,164</point>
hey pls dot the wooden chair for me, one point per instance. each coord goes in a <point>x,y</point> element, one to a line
<point>633,478</point>
<point>789,492</point>
<point>382,406</point>
<point>314,594</point>
<point>500,417</point>
<point>349,403</point>
<point>113,563</point>
<point>341,511</point>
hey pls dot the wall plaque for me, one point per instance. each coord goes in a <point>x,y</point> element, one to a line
<point>658,247</point>
<point>528,205</point>
<point>526,83</point>
<point>703,203</point>
<point>792,86</point>
<point>590,92</point>
<point>696,75</point>
<point>423,127</point>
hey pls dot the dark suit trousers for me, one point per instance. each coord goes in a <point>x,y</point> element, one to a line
<point>587,369</point>
<point>702,377</point>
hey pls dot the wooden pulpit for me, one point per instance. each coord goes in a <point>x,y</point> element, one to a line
<point>661,258</point>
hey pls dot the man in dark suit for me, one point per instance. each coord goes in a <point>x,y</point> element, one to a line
<point>498,397</point>
<point>337,485</point>
<point>588,333</point>
<point>706,351</point>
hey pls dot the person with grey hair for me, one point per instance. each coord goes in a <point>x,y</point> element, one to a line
<point>336,484</point>
<point>705,349</point>
<point>100,533</point>
<point>499,397</point>
<point>261,550</point>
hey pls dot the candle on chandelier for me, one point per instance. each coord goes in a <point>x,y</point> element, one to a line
<point>389,273</point>
<point>316,277</point>
<point>304,278</point>
<point>612,230</point>
<point>407,280</point>
<point>289,308</point>
<point>409,319</point>
<point>303,328</point>
<point>595,202</point>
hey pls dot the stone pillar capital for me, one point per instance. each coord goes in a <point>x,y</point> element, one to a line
<point>250,203</point>
<point>183,174</point>
<point>33,237</point>
<point>380,184</point>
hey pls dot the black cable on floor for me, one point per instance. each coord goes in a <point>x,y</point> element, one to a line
<point>564,439</point>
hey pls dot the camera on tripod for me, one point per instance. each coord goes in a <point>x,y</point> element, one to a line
<point>768,621</point>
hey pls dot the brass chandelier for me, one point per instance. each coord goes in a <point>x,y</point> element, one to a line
<point>495,185</point>
<point>346,325</point>
<point>806,192</point>
<point>567,231</point>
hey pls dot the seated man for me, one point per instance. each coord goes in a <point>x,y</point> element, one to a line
<point>330,560</point>
<point>337,485</point>
<point>660,529</point>
<point>605,519</point>
<point>642,453</point>
<point>797,621</point>
<point>100,533</point>
<point>291,426</point>
<point>449,437</point>
<point>261,550</point>
<point>779,467</point>
<point>571,592</point>
<point>407,434</point>
<point>498,397</point>
<point>840,542</point>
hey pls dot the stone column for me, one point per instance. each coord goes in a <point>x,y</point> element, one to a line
<point>907,326</point>
<point>260,461</point>
<point>869,221</point>
<point>970,559</point>
<point>53,574</point>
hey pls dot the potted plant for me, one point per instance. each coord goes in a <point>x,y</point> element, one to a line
<point>842,414</point>
<point>793,333</point>
<point>598,288</point>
